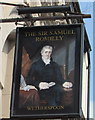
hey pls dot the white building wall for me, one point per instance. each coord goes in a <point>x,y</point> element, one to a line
<point>0,102</point>
<point>6,28</point>
<point>5,61</point>
<point>85,85</point>
<point>6,93</point>
<point>0,67</point>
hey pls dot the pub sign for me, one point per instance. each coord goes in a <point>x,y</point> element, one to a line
<point>47,71</point>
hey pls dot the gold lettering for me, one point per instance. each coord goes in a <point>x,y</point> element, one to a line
<point>28,108</point>
<point>52,34</point>
<point>38,38</point>
<point>45,107</point>
<point>55,32</point>
<point>43,33</point>
<point>61,37</point>
<point>49,38</point>
<point>73,32</point>
<point>28,34</point>
<point>60,32</point>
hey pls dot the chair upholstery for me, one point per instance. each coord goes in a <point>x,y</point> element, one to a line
<point>28,98</point>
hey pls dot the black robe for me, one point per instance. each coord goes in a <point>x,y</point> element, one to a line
<point>39,72</point>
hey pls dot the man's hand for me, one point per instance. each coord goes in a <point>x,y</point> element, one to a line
<point>67,85</point>
<point>43,85</point>
<point>51,84</point>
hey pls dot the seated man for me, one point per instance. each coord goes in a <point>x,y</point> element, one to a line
<point>46,76</point>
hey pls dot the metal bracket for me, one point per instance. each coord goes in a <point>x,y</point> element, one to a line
<point>49,9</point>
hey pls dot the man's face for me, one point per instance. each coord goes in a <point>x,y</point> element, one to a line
<point>46,53</point>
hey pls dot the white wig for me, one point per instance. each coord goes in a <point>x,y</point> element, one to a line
<point>46,47</point>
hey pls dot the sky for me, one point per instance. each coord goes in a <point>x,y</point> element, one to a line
<point>87,8</point>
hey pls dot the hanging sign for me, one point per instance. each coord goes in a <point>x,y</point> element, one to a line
<point>47,71</point>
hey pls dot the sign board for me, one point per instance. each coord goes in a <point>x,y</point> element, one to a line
<point>47,71</point>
